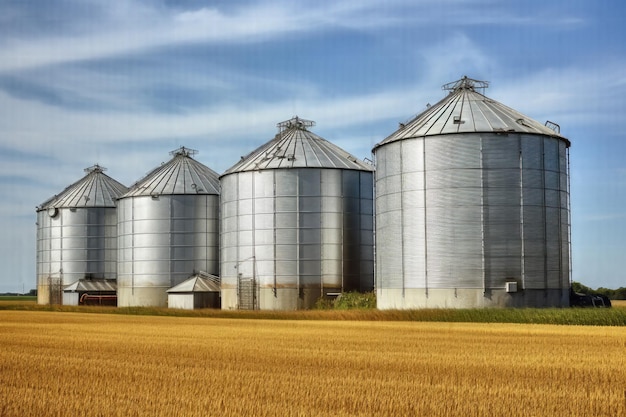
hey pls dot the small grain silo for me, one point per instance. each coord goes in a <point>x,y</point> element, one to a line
<point>77,235</point>
<point>472,207</point>
<point>297,223</point>
<point>168,229</point>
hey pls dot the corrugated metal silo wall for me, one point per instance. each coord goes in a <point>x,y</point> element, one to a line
<point>162,241</point>
<point>458,216</point>
<point>298,233</point>
<point>74,244</point>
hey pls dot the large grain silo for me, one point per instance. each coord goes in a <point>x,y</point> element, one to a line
<point>472,207</point>
<point>168,230</point>
<point>297,223</point>
<point>77,235</point>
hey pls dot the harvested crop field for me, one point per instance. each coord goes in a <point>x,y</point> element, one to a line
<point>60,364</point>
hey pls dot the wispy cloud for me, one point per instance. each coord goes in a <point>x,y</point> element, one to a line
<point>123,28</point>
<point>45,125</point>
<point>603,217</point>
<point>572,96</point>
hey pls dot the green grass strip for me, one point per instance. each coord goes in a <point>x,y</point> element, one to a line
<point>559,316</point>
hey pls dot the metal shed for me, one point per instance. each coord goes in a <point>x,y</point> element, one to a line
<point>472,207</point>
<point>77,234</point>
<point>297,223</point>
<point>91,292</point>
<point>200,291</point>
<point>168,228</point>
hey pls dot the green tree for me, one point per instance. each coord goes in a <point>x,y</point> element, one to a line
<point>620,294</point>
<point>578,287</point>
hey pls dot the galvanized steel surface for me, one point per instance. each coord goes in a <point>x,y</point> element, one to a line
<point>197,283</point>
<point>298,229</point>
<point>296,147</point>
<point>163,238</point>
<point>77,235</point>
<point>465,110</point>
<point>95,285</point>
<point>181,175</point>
<point>465,211</point>
<point>293,233</point>
<point>96,189</point>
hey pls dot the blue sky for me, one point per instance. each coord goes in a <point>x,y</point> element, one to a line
<point>123,83</point>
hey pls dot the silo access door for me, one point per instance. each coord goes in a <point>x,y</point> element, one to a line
<point>55,288</point>
<point>247,294</point>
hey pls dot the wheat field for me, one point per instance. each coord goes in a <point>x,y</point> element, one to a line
<point>76,364</point>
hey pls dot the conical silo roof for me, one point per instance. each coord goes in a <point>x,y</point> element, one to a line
<point>96,189</point>
<point>181,175</point>
<point>297,147</point>
<point>465,110</point>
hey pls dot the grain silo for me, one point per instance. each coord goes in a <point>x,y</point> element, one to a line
<point>297,223</point>
<point>472,207</point>
<point>168,230</point>
<point>77,235</point>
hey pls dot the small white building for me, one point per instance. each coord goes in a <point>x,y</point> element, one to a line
<point>91,292</point>
<point>200,291</point>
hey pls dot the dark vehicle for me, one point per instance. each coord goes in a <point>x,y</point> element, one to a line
<point>577,299</point>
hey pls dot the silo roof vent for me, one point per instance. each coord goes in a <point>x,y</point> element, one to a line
<point>95,168</point>
<point>183,151</point>
<point>295,123</point>
<point>466,83</point>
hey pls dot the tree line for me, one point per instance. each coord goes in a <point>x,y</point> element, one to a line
<point>618,294</point>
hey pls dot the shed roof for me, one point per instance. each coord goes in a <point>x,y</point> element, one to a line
<point>465,110</point>
<point>197,283</point>
<point>181,175</point>
<point>96,189</point>
<point>91,285</point>
<point>297,147</point>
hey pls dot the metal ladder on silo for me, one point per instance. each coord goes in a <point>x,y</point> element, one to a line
<point>247,294</point>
